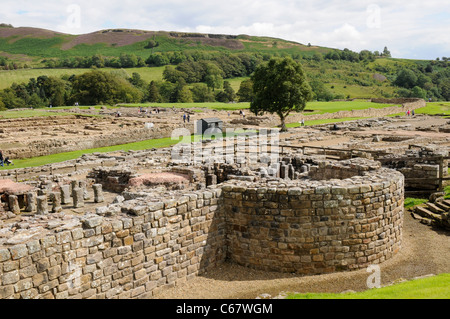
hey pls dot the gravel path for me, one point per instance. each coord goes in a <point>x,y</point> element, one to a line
<point>425,251</point>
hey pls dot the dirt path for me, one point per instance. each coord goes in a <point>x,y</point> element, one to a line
<point>425,251</point>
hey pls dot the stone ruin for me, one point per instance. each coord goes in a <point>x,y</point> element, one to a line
<point>141,225</point>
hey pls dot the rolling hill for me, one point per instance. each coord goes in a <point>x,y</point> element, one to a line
<point>31,52</point>
<point>38,44</point>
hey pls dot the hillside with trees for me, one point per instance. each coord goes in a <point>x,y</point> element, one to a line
<point>195,68</point>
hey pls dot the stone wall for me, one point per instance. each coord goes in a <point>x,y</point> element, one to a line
<point>147,242</point>
<point>128,256</point>
<point>423,163</point>
<point>399,101</point>
<point>113,179</point>
<point>315,227</point>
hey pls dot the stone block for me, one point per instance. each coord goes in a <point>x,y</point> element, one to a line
<point>93,222</point>
<point>14,204</point>
<point>31,202</point>
<point>98,193</point>
<point>4,254</point>
<point>11,277</point>
<point>78,197</point>
<point>18,251</point>
<point>42,205</point>
<point>65,194</point>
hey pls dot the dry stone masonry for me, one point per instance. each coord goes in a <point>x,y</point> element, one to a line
<point>316,226</point>
<point>286,216</point>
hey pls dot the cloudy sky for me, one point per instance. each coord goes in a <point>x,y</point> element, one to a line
<point>410,29</point>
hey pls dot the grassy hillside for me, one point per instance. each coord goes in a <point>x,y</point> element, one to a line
<point>35,48</point>
<point>47,44</point>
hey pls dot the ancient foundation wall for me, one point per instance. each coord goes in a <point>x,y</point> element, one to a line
<point>306,226</point>
<point>57,145</point>
<point>316,228</point>
<point>122,257</point>
<point>113,179</point>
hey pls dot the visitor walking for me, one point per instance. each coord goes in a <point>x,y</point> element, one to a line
<point>1,158</point>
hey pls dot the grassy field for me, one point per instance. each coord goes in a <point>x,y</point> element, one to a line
<point>312,107</point>
<point>22,76</point>
<point>436,287</point>
<point>210,105</point>
<point>325,121</point>
<point>333,107</point>
<point>434,108</point>
<point>61,157</point>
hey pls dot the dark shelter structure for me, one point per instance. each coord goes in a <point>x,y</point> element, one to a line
<point>209,126</point>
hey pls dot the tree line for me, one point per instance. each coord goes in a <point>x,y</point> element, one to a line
<point>198,76</point>
<point>125,60</point>
<point>98,87</point>
<point>7,64</point>
<point>424,82</point>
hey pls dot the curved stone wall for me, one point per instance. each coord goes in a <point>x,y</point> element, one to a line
<point>314,227</point>
<point>339,216</point>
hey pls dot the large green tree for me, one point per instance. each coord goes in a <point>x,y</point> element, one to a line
<point>245,92</point>
<point>406,78</point>
<point>280,87</point>
<point>97,87</point>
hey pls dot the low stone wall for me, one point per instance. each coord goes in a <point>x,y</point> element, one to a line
<point>414,171</point>
<point>57,145</point>
<point>126,256</point>
<point>113,179</point>
<point>398,100</point>
<point>315,227</point>
<point>146,241</point>
<point>423,163</point>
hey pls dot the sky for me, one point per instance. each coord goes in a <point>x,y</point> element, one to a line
<point>410,29</point>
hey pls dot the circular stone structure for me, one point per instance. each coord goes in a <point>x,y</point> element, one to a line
<point>341,216</point>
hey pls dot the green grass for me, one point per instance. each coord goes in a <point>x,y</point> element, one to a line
<point>333,107</point>
<point>316,107</point>
<point>412,202</point>
<point>324,121</point>
<point>210,105</point>
<point>436,287</point>
<point>435,108</point>
<point>447,191</point>
<point>61,157</point>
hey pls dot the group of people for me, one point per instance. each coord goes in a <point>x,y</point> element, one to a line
<point>186,118</point>
<point>410,113</point>
<point>4,160</point>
